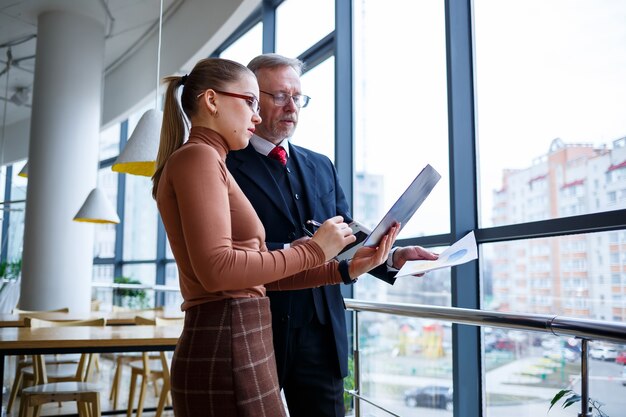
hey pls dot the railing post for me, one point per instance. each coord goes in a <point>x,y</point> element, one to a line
<point>585,410</point>
<point>356,362</point>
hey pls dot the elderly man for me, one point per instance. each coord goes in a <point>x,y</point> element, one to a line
<point>287,185</point>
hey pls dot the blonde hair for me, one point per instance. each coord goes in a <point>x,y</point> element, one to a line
<point>207,73</point>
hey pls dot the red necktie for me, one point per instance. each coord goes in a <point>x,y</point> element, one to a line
<point>280,154</point>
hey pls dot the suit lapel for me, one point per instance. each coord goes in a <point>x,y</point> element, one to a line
<point>251,166</point>
<point>309,181</point>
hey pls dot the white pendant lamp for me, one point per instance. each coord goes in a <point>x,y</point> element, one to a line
<point>97,209</point>
<point>24,171</point>
<point>139,155</point>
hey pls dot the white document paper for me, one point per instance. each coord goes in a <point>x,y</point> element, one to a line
<point>464,250</point>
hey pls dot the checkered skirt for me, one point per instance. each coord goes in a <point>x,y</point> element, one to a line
<point>224,362</point>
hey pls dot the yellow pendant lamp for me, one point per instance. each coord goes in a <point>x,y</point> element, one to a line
<point>139,155</point>
<point>97,209</point>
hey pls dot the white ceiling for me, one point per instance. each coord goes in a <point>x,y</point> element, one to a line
<point>128,23</point>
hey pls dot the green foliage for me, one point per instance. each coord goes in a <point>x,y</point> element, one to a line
<point>10,270</point>
<point>129,297</point>
<point>348,384</point>
<point>573,398</point>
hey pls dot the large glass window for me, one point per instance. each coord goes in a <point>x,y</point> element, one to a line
<point>14,213</point>
<point>140,212</point>
<point>246,47</point>
<point>173,299</point>
<point>140,219</point>
<point>302,23</point>
<point>406,365</point>
<point>101,286</point>
<point>551,126</point>
<point>109,142</point>
<point>104,234</point>
<point>316,123</point>
<point>575,276</point>
<point>400,109</point>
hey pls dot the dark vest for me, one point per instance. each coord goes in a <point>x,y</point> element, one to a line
<point>311,301</point>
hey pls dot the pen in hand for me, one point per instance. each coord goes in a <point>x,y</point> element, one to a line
<point>314,223</point>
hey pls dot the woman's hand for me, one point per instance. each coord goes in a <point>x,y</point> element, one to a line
<point>367,258</point>
<point>333,236</point>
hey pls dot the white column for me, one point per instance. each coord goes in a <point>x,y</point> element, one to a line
<point>63,162</point>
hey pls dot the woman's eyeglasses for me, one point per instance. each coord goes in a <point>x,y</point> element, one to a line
<point>252,101</point>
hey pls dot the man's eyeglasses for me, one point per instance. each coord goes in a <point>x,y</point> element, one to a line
<point>281,99</point>
<point>252,101</point>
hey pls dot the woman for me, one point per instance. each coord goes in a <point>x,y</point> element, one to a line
<point>224,362</point>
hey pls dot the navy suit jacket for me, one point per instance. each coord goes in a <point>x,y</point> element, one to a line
<point>326,199</point>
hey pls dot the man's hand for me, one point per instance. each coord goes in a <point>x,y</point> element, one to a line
<point>412,253</point>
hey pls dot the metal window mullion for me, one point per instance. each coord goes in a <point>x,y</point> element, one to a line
<point>466,354</point>
<point>6,216</point>
<point>344,126</point>
<point>269,26</point>
<point>121,204</point>
<point>160,261</point>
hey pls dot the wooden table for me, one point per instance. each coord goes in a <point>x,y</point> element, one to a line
<point>114,318</point>
<point>85,339</point>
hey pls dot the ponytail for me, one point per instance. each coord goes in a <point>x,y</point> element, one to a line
<point>207,73</point>
<point>172,130</point>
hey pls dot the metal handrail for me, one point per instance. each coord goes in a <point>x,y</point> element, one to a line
<point>584,329</point>
<point>557,325</point>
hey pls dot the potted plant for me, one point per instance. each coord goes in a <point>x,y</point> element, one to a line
<point>134,298</point>
<point>569,397</point>
<point>10,273</point>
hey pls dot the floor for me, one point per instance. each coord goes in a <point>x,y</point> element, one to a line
<point>104,377</point>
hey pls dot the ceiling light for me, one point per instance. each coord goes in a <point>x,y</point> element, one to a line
<point>97,209</point>
<point>139,154</point>
<point>24,171</point>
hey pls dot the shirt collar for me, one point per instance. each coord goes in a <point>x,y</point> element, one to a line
<point>264,147</point>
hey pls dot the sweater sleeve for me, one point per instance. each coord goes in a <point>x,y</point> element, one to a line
<point>327,274</point>
<point>206,204</point>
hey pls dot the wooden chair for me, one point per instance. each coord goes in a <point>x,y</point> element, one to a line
<point>85,394</point>
<point>122,359</point>
<point>25,362</point>
<point>151,370</point>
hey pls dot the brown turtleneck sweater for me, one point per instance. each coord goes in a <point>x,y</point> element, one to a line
<point>217,239</point>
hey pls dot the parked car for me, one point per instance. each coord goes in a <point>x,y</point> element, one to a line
<point>603,353</point>
<point>621,358</point>
<point>431,396</point>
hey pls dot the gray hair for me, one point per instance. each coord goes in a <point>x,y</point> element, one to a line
<point>275,61</point>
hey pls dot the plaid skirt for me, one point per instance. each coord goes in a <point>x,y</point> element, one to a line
<point>224,362</point>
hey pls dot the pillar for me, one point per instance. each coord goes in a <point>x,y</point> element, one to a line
<point>63,162</point>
